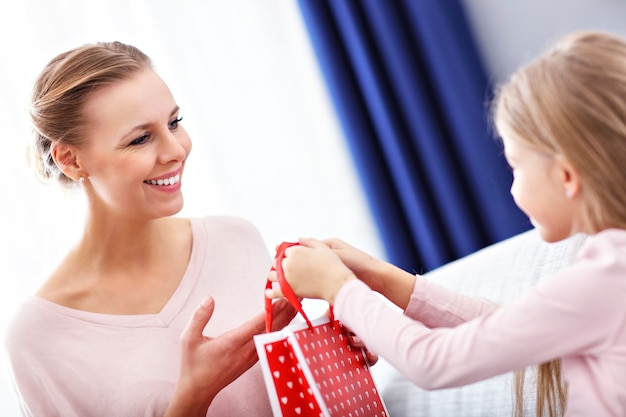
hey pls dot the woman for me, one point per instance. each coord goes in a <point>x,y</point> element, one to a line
<point>117,328</point>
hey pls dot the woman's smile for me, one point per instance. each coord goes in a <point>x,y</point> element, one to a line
<point>168,184</point>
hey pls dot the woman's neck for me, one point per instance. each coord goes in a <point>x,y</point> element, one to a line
<point>123,268</point>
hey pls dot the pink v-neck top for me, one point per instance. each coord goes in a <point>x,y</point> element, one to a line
<point>72,363</point>
<point>578,314</point>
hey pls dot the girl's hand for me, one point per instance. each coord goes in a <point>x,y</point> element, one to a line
<point>389,280</point>
<point>312,270</point>
<point>208,364</point>
<point>362,264</point>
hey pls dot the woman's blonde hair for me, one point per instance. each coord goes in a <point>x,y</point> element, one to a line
<point>572,102</point>
<point>63,88</point>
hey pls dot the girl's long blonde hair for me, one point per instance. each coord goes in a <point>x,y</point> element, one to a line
<point>572,102</point>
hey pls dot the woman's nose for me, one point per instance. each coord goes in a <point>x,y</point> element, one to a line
<point>174,147</point>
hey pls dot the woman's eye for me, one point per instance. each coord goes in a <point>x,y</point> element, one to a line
<point>174,123</point>
<point>140,140</point>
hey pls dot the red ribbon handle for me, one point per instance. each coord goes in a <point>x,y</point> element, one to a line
<point>284,287</point>
<point>287,291</point>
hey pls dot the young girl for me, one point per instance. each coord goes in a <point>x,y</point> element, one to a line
<point>562,120</point>
<point>118,327</point>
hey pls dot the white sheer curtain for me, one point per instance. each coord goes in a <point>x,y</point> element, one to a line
<point>266,144</point>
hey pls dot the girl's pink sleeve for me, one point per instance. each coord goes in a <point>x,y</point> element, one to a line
<point>577,311</point>
<point>437,306</point>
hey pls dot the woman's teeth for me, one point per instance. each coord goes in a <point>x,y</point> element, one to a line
<point>165,181</point>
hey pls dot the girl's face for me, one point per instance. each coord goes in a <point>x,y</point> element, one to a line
<point>539,190</point>
<point>135,149</point>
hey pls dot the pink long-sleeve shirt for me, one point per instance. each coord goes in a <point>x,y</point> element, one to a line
<point>578,315</point>
<point>72,363</point>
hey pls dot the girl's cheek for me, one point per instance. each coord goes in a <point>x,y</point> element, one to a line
<point>515,193</point>
<point>513,189</point>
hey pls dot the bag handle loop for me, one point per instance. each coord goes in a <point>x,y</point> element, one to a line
<point>286,290</point>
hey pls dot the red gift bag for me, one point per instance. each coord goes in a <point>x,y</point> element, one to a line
<point>310,369</point>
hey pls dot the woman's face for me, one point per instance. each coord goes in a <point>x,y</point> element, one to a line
<point>135,149</point>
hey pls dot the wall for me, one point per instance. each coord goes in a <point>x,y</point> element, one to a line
<point>511,32</point>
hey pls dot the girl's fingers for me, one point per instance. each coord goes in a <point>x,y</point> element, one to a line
<point>274,293</point>
<point>311,242</point>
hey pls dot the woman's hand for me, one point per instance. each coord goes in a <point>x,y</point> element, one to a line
<point>208,364</point>
<point>312,270</point>
<point>356,342</point>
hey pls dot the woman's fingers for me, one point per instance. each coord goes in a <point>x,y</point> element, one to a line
<point>371,358</point>
<point>199,320</point>
<point>356,342</point>
<point>283,313</point>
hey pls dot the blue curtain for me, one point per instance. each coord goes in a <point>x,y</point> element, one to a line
<point>412,98</point>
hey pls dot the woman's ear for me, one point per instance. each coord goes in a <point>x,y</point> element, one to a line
<point>568,176</point>
<point>64,157</point>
